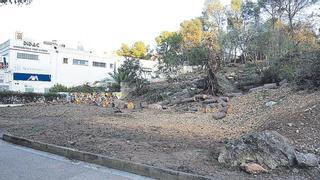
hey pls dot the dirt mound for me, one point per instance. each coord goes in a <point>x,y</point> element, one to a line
<point>177,140</point>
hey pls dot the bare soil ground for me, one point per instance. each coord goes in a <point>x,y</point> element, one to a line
<point>186,142</point>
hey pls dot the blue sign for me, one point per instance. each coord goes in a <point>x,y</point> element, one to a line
<point>31,77</point>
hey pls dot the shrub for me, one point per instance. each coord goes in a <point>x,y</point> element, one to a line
<point>9,97</point>
<point>82,88</point>
<point>58,88</point>
<point>308,74</point>
<point>114,87</point>
<point>270,75</point>
<point>302,68</point>
<point>131,72</point>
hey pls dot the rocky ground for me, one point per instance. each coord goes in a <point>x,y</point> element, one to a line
<point>187,141</point>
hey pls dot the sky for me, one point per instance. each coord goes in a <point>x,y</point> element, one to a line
<point>100,25</point>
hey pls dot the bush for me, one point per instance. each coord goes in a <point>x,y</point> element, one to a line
<point>52,96</point>
<point>302,68</point>
<point>114,87</point>
<point>270,75</point>
<point>58,88</point>
<point>82,88</point>
<point>131,72</point>
<point>282,68</point>
<point>9,97</point>
<point>308,74</point>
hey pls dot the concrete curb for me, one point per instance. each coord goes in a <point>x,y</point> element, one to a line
<point>136,168</point>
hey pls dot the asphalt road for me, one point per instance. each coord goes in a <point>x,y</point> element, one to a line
<point>18,162</point>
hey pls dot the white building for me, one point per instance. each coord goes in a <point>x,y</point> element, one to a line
<point>34,66</point>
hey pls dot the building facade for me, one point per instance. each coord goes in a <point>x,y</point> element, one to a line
<point>27,65</point>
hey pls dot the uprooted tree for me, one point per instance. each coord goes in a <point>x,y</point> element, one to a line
<point>213,64</point>
<point>191,45</point>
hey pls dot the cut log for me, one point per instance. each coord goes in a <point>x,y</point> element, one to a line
<point>186,100</point>
<point>210,101</point>
<point>270,86</point>
<point>202,97</point>
<point>256,89</point>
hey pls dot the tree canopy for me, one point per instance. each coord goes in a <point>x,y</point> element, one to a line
<point>243,31</point>
<point>138,50</point>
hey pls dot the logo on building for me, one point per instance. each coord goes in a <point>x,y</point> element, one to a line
<point>33,78</point>
<point>32,44</point>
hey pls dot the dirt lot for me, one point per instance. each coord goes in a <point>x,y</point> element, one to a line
<point>181,141</point>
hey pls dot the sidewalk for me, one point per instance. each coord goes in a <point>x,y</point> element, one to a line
<point>18,162</point>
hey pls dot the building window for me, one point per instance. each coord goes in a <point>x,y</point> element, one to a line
<point>80,62</point>
<point>111,66</point>
<point>29,89</point>
<point>65,60</point>
<point>99,64</point>
<point>46,90</point>
<point>27,56</point>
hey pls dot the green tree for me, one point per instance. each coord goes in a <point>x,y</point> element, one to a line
<point>169,48</point>
<point>131,72</point>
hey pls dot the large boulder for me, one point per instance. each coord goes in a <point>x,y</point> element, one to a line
<point>268,148</point>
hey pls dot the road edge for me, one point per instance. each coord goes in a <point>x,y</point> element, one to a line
<point>114,163</point>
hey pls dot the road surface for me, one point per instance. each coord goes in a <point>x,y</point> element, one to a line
<point>17,162</point>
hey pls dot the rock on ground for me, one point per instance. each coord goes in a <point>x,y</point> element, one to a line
<point>307,160</point>
<point>219,115</point>
<point>268,148</point>
<point>270,104</point>
<point>155,106</point>
<point>253,168</point>
<point>119,104</point>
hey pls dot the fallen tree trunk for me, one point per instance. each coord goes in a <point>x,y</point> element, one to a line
<point>186,100</point>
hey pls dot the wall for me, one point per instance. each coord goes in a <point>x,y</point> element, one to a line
<point>73,75</point>
<point>24,98</point>
<point>26,66</point>
<point>150,67</point>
